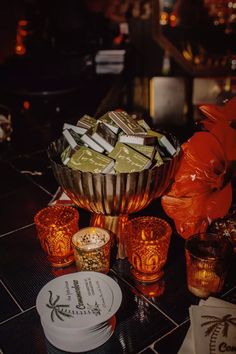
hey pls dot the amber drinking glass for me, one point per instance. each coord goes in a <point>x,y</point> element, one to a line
<point>207,259</point>
<point>55,226</point>
<point>147,243</point>
<point>92,248</point>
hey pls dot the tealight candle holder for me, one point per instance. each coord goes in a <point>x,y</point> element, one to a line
<point>207,259</point>
<point>92,248</point>
<point>147,243</point>
<point>55,227</point>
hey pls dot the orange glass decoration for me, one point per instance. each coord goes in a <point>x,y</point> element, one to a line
<point>147,242</point>
<point>55,226</point>
<point>202,187</point>
<point>207,259</point>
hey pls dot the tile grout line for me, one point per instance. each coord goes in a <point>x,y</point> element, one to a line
<point>172,330</point>
<point>164,335</point>
<point>153,349</point>
<point>30,179</point>
<point>20,228</point>
<point>38,185</point>
<point>17,315</point>
<point>9,293</point>
<point>41,187</point>
<point>227,292</point>
<point>150,303</point>
<point>156,307</point>
<point>149,346</point>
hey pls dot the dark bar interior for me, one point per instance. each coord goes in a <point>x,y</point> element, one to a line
<point>158,77</point>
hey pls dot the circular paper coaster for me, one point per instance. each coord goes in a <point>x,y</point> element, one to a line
<point>77,343</point>
<point>78,301</point>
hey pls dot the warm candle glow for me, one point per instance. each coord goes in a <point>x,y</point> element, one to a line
<point>143,237</point>
<point>207,259</point>
<point>203,282</point>
<point>147,242</point>
<point>55,226</point>
<point>92,249</point>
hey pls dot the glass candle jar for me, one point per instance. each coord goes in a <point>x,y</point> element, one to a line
<point>147,242</point>
<point>207,261</point>
<point>92,246</point>
<point>55,227</point>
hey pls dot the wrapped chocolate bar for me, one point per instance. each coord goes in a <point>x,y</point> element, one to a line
<point>128,159</point>
<point>163,141</point>
<point>143,139</point>
<point>104,136</point>
<point>72,138</point>
<point>146,150</point>
<point>105,119</point>
<point>88,160</point>
<point>127,124</point>
<point>89,140</point>
<point>77,130</point>
<point>86,122</point>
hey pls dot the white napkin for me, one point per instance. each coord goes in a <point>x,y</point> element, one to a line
<point>196,340</point>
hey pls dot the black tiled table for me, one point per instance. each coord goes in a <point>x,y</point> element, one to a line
<point>23,266</point>
<point>20,207</point>
<point>174,339</point>
<point>22,334</point>
<point>8,305</point>
<point>36,168</point>
<point>152,318</point>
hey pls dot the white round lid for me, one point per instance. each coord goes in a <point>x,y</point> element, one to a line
<point>79,300</point>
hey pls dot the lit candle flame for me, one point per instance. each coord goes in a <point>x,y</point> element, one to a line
<point>143,237</point>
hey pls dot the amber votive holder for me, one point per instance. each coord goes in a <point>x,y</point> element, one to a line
<point>208,258</point>
<point>147,240</point>
<point>92,249</point>
<point>55,227</point>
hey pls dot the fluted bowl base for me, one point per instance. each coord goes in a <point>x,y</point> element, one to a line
<point>116,225</point>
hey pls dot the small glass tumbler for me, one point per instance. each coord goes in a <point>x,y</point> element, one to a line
<point>147,242</point>
<point>92,248</point>
<point>207,259</point>
<point>55,227</point>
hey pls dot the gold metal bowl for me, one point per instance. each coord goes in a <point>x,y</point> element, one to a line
<point>111,197</point>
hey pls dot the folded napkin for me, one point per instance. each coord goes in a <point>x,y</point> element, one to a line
<point>60,197</point>
<point>212,329</point>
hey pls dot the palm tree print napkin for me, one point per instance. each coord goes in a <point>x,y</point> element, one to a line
<point>212,329</point>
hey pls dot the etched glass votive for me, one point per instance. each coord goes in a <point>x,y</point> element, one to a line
<point>55,227</point>
<point>92,248</point>
<point>207,259</point>
<point>147,242</point>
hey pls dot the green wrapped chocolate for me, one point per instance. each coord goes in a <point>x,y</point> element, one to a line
<point>88,160</point>
<point>128,160</point>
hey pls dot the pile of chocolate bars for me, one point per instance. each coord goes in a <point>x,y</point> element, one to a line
<point>114,143</point>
